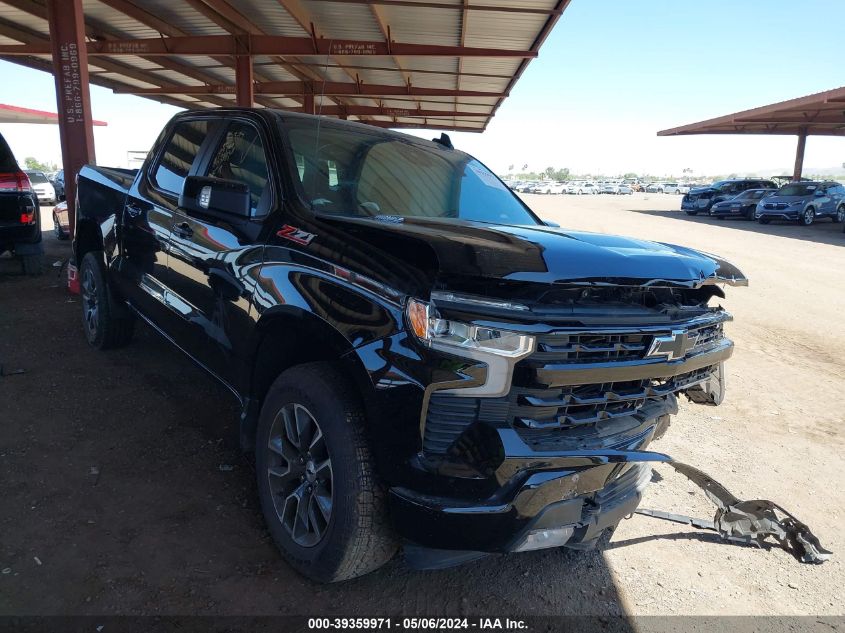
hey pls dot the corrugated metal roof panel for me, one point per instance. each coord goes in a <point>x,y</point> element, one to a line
<point>270,17</point>
<point>449,25</point>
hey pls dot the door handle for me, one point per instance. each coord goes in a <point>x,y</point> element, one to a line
<point>183,229</point>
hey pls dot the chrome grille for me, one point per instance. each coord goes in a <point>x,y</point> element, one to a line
<point>608,347</point>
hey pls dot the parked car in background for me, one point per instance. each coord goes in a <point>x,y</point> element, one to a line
<point>61,221</point>
<point>676,188</point>
<point>616,189</point>
<point>701,199</point>
<point>581,188</point>
<point>804,202</point>
<point>20,215</point>
<point>655,187</point>
<point>742,205</point>
<point>42,186</point>
<point>634,184</point>
<point>526,187</point>
<point>57,179</point>
<point>373,325</point>
<point>551,187</point>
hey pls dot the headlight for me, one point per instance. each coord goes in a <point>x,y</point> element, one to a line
<point>462,338</point>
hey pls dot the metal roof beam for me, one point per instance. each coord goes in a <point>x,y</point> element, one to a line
<point>356,110</point>
<point>457,6</point>
<point>425,126</point>
<point>249,44</point>
<point>317,88</point>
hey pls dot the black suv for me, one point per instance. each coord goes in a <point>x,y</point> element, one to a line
<point>20,216</point>
<point>701,199</point>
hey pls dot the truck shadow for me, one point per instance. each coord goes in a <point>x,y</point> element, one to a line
<point>824,231</point>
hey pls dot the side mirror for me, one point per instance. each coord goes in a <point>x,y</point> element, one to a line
<point>215,195</point>
<point>554,225</point>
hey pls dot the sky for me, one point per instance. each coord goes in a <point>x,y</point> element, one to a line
<point>611,74</point>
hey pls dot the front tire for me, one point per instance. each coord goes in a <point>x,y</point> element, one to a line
<point>808,217</point>
<point>764,220</point>
<point>691,212</point>
<point>106,323</point>
<point>321,498</point>
<point>840,214</point>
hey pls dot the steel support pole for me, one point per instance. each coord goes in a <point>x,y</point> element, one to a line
<point>244,84</point>
<point>799,155</point>
<point>73,99</point>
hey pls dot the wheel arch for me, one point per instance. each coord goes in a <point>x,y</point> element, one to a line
<point>287,336</point>
<point>87,237</point>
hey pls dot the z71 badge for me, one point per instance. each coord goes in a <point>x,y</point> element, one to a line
<point>294,234</point>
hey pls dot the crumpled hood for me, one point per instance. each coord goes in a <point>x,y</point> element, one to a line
<point>540,254</point>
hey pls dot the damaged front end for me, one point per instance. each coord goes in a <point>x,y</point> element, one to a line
<point>554,434</point>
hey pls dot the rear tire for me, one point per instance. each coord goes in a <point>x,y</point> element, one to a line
<point>31,264</point>
<point>749,215</point>
<point>312,422</point>
<point>840,214</point>
<point>107,324</point>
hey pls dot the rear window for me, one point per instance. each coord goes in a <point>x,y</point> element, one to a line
<point>179,155</point>
<point>7,159</point>
<point>36,177</point>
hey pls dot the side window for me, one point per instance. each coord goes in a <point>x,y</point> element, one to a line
<point>241,157</point>
<point>179,155</point>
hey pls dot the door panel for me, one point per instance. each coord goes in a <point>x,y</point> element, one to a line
<point>210,252</point>
<point>147,219</point>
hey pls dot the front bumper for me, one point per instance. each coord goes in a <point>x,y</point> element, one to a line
<point>785,214</point>
<point>578,494</point>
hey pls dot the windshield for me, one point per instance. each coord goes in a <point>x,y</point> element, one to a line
<point>797,189</point>
<point>754,194</point>
<point>36,177</point>
<point>355,172</point>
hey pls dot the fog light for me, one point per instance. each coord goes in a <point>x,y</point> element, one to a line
<point>542,539</point>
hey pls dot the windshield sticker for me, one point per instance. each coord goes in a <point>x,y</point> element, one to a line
<point>295,234</point>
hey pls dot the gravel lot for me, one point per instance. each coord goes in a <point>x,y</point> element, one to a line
<point>123,492</point>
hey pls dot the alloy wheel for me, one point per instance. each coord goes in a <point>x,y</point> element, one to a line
<point>808,217</point>
<point>840,214</point>
<point>90,304</point>
<point>299,471</point>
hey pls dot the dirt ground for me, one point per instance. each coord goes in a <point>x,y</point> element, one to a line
<point>123,492</point>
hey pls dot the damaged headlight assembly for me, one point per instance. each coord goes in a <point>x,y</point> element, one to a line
<point>500,350</point>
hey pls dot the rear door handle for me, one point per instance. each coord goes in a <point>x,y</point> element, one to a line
<point>183,229</point>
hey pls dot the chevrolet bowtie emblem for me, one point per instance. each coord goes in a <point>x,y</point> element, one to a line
<point>673,346</point>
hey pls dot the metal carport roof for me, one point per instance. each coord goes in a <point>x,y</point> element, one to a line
<point>17,114</point>
<point>398,63</point>
<point>820,114</point>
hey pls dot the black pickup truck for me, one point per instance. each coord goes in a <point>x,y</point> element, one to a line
<point>420,359</point>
